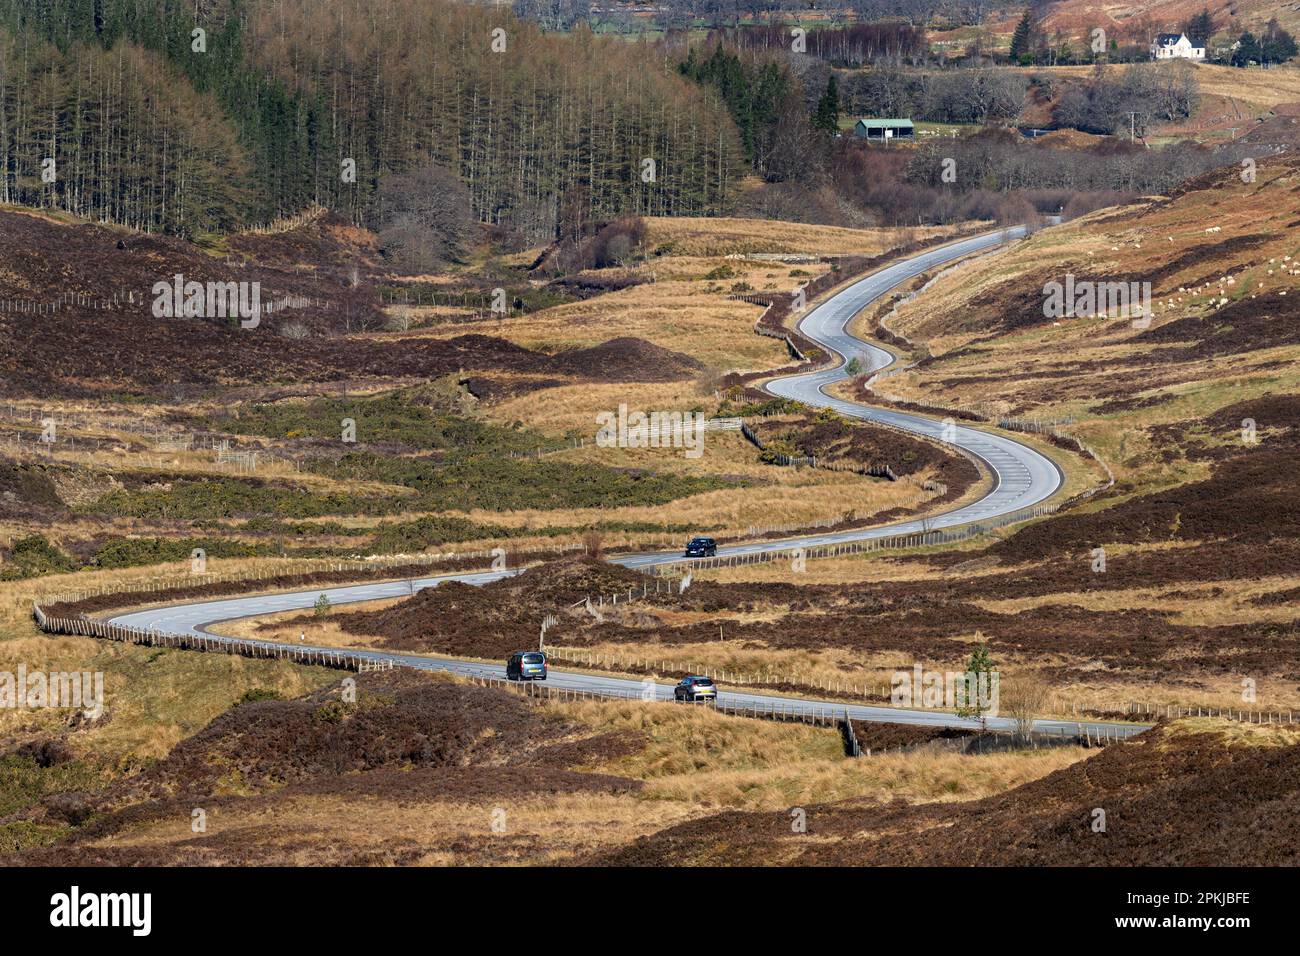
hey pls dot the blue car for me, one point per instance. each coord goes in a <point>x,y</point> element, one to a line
<point>701,548</point>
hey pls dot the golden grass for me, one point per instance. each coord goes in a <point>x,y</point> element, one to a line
<point>674,314</point>
<point>320,630</point>
<point>1233,733</point>
<point>1214,604</point>
<point>154,698</point>
<point>691,236</point>
<point>706,759</point>
<point>1254,90</point>
<point>1260,89</point>
<point>317,830</point>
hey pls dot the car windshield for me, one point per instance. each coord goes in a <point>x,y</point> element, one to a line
<point>533,658</point>
<point>699,541</point>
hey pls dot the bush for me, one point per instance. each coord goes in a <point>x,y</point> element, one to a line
<point>133,552</point>
<point>255,694</point>
<point>33,556</point>
<point>322,606</point>
<point>431,531</point>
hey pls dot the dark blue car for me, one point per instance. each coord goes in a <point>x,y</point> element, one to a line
<point>701,548</point>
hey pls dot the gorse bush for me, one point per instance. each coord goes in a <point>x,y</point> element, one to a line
<point>132,552</point>
<point>33,556</point>
<point>503,484</point>
<point>232,497</point>
<point>388,419</point>
<point>430,531</point>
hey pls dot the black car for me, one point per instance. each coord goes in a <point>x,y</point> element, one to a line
<point>701,548</point>
<point>694,687</point>
<point>526,665</point>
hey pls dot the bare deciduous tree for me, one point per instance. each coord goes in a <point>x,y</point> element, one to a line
<point>1023,698</point>
<point>424,218</point>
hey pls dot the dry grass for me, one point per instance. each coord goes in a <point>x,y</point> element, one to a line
<point>322,630</point>
<point>681,314</point>
<point>1217,604</point>
<point>709,760</point>
<point>154,698</point>
<point>721,237</point>
<point>326,830</point>
<point>1253,91</point>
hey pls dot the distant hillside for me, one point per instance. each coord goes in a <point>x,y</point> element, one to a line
<point>1138,19</point>
<point>270,108</point>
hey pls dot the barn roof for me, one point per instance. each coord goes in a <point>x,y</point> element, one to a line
<point>885,123</point>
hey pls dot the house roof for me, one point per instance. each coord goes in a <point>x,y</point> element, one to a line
<point>1168,39</point>
<point>885,123</point>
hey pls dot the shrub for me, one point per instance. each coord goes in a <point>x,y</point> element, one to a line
<point>33,556</point>
<point>132,552</point>
<point>253,695</point>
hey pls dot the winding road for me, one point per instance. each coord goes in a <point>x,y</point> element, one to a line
<point>1021,477</point>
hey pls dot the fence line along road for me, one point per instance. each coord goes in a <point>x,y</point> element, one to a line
<point>818,713</point>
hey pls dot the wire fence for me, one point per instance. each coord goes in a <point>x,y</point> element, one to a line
<point>772,708</point>
<point>153,637</point>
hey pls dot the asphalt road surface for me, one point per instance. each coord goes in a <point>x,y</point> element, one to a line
<point>1022,477</point>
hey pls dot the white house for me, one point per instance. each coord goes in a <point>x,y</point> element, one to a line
<point>1167,46</point>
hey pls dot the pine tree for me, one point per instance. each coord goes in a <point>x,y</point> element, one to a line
<point>1248,50</point>
<point>1276,45</point>
<point>1020,39</point>
<point>980,676</point>
<point>827,115</point>
<point>1200,28</point>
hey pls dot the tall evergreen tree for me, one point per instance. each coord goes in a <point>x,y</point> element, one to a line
<point>827,115</point>
<point>1200,28</point>
<point>1020,39</point>
<point>1276,45</point>
<point>1247,51</point>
